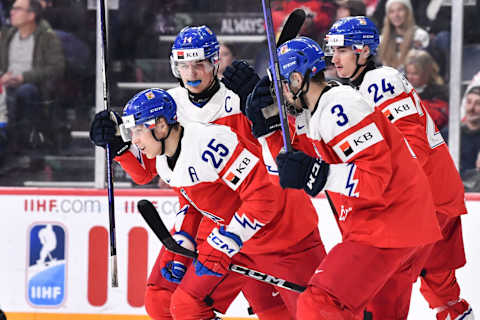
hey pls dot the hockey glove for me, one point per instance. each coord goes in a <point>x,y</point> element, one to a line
<point>104,130</point>
<point>300,171</point>
<point>261,110</point>
<point>173,265</point>
<point>214,255</point>
<point>241,78</point>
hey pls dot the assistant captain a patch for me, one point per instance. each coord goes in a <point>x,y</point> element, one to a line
<point>240,169</point>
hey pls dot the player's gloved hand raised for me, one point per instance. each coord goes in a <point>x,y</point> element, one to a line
<point>104,130</point>
<point>241,78</point>
<point>261,110</point>
<point>300,171</point>
<point>173,265</point>
<point>215,254</point>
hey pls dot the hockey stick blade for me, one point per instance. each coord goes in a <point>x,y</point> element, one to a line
<point>292,26</point>
<point>152,218</point>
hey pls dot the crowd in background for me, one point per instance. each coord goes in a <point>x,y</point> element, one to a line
<point>38,116</point>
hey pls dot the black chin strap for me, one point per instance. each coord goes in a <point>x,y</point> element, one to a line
<point>359,65</point>
<point>162,140</point>
<point>370,65</point>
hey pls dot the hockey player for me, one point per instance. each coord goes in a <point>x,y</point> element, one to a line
<point>353,42</point>
<point>202,98</point>
<point>217,175</point>
<point>378,191</point>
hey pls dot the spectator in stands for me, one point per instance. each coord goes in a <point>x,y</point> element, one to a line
<point>350,8</point>
<point>469,131</point>
<point>400,34</point>
<point>320,15</point>
<point>227,55</point>
<point>422,72</point>
<point>31,61</point>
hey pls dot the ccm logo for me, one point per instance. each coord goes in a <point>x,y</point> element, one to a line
<point>258,275</point>
<point>313,174</point>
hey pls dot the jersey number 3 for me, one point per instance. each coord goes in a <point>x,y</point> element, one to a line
<point>215,153</point>
<point>338,110</point>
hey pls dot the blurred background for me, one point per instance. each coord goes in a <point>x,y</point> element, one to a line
<point>44,141</point>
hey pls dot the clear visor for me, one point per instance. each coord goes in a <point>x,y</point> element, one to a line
<point>194,66</point>
<point>128,129</point>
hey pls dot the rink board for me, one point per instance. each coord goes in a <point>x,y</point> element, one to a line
<point>55,254</point>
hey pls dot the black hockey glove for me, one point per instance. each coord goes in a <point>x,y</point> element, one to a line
<point>259,103</point>
<point>300,171</point>
<point>241,78</point>
<point>104,130</point>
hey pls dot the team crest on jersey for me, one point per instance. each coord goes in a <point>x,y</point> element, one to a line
<point>357,142</point>
<point>399,109</point>
<point>240,169</point>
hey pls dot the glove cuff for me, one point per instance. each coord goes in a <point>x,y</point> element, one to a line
<point>224,241</point>
<point>185,240</point>
<point>316,177</point>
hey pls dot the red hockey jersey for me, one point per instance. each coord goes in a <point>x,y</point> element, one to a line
<point>379,191</point>
<point>390,92</point>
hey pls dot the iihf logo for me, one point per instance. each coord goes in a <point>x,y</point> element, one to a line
<point>46,269</point>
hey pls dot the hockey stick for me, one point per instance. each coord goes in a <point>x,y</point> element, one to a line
<point>292,26</point>
<point>152,218</point>
<point>297,18</point>
<point>103,17</point>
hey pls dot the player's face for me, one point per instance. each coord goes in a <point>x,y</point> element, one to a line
<point>345,61</point>
<point>472,110</point>
<point>197,76</point>
<point>397,14</point>
<point>142,137</point>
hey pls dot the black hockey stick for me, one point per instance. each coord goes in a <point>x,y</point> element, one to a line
<point>152,218</point>
<point>102,14</point>
<point>297,18</point>
<point>292,26</point>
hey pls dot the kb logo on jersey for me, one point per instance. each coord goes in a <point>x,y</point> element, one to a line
<point>358,141</point>
<point>399,109</point>
<point>46,275</point>
<point>363,138</point>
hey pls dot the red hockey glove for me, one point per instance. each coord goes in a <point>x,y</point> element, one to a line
<point>215,254</point>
